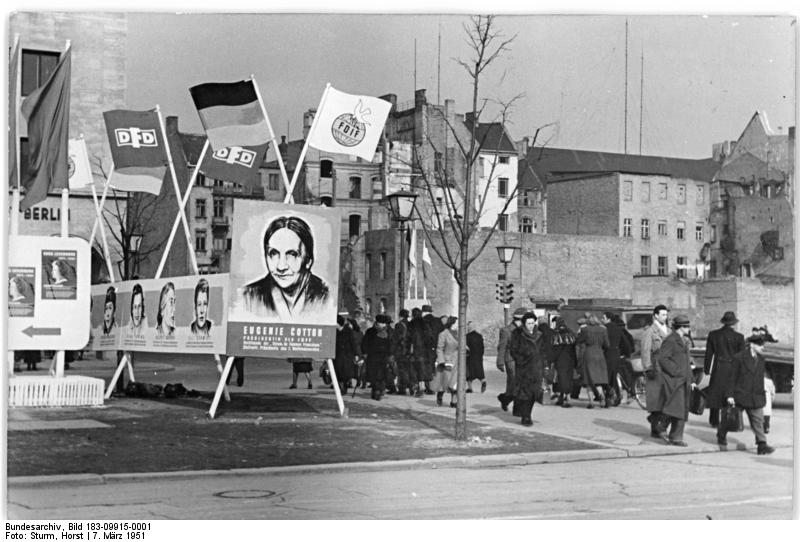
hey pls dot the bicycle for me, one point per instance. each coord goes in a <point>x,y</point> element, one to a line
<point>639,391</point>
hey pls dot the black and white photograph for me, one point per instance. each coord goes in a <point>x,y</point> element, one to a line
<point>451,263</point>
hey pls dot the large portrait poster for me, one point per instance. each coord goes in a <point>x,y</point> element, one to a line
<point>284,280</point>
<point>174,314</point>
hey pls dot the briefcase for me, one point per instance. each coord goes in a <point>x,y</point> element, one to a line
<point>697,401</point>
<point>731,419</point>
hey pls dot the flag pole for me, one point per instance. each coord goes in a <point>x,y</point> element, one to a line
<point>99,217</point>
<point>305,145</point>
<point>177,188</point>
<point>65,235</point>
<point>184,201</point>
<point>272,137</point>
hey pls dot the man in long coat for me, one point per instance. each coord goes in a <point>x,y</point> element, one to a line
<point>675,375</point>
<point>435,326</point>
<point>403,347</point>
<point>721,346</point>
<point>421,338</point>
<point>744,389</point>
<point>651,342</point>
<point>505,362</point>
<point>376,346</point>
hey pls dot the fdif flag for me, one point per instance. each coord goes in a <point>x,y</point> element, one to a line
<point>231,114</point>
<point>80,172</point>
<point>47,111</point>
<point>137,148</point>
<point>235,164</point>
<point>349,124</point>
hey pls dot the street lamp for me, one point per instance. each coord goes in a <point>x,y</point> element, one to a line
<point>506,255</point>
<point>401,205</point>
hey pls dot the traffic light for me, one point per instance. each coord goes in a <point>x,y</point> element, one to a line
<point>505,292</point>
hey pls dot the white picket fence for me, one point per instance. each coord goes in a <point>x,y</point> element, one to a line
<point>49,391</point>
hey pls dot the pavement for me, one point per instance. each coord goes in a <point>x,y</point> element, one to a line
<point>268,428</point>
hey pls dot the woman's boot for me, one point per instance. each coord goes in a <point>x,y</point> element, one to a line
<point>439,395</point>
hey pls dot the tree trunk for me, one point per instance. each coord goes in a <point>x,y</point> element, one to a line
<point>463,302</point>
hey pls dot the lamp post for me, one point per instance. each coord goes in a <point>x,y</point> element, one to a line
<point>401,205</point>
<point>506,255</point>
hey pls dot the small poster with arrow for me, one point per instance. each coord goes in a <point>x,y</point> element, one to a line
<point>21,298</point>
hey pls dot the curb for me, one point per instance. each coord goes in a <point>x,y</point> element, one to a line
<point>447,462</point>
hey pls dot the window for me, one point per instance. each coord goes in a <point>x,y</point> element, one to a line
<point>201,180</point>
<point>712,268</point>
<point>700,196</point>
<point>698,231</point>
<point>367,306</point>
<point>200,240</point>
<point>355,188</point>
<point>502,187</point>
<point>681,193</point>
<point>326,169</point>
<point>219,243</point>
<point>681,267</point>
<point>626,228</point>
<point>662,266</point>
<point>438,168</point>
<point>383,265</point>
<point>37,66</point>
<point>503,159</point>
<point>644,268</point>
<point>368,266</point>
<point>377,189</point>
<point>627,190</point>
<point>219,207</point>
<point>713,233</point>
<point>274,181</point>
<point>502,223</point>
<point>199,208</point>
<point>662,228</point>
<point>645,191</point>
<point>355,226</point>
<point>681,230</point>
<point>527,225</point>
<point>229,243</point>
<point>645,228</point>
<point>525,198</point>
<point>662,190</point>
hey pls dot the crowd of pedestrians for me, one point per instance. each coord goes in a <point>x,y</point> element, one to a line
<point>542,362</point>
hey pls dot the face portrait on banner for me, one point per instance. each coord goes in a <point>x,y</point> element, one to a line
<point>201,325</point>
<point>59,274</point>
<point>165,319</point>
<point>21,296</point>
<point>109,311</point>
<point>284,270</point>
<point>138,322</point>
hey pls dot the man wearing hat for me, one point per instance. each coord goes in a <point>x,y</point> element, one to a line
<point>721,345</point>
<point>505,363</point>
<point>745,390</point>
<point>652,339</point>
<point>435,326</point>
<point>675,376</point>
<point>406,375</point>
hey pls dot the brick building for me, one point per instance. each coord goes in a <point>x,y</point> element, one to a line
<point>751,203</point>
<point>660,204</point>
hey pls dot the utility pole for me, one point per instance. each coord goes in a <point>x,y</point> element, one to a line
<point>626,88</point>
<point>641,105</point>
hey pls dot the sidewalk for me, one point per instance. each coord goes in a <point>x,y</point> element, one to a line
<point>266,426</point>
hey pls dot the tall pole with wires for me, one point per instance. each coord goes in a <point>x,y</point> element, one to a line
<point>625,145</point>
<point>641,105</point>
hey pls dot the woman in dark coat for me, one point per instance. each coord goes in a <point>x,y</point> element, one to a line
<point>421,338</point>
<point>377,348</point>
<point>594,342</point>
<point>524,346</point>
<point>617,347</point>
<point>562,354</point>
<point>346,351</point>
<point>475,350</point>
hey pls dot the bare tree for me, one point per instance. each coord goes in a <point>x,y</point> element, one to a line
<point>137,218</point>
<point>451,228</point>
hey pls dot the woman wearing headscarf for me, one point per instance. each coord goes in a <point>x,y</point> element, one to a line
<point>446,378</point>
<point>377,348</point>
<point>562,354</point>
<point>525,347</point>
<point>346,353</point>
<point>594,340</point>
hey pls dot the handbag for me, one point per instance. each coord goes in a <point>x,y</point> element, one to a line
<point>731,419</point>
<point>697,401</point>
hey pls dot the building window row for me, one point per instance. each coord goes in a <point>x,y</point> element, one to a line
<point>662,192</point>
<point>644,265</point>
<point>661,229</point>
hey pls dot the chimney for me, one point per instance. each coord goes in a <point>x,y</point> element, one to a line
<point>524,147</point>
<point>283,148</point>
<point>308,118</point>
<point>419,97</point>
<point>469,117</point>
<point>392,99</point>
<point>172,124</point>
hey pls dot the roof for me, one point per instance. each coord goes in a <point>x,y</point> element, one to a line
<point>492,137</point>
<point>554,165</point>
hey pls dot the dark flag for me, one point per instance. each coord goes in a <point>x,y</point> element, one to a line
<point>231,114</point>
<point>47,111</point>
<point>137,148</point>
<point>13,104</point>
<point>235,164</point>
